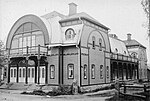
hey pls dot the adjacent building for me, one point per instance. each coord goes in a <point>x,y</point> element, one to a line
<point>137,50</point>
<point>57,49</point>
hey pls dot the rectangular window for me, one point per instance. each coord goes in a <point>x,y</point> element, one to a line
<point>20,44</point>
<point>93,42</point>
<point>101,71</point>
<point>14,72</point>
<point>52,72</point>
<point>85,71</point>
<point>93,71</point>
<point>70,71</point>
<point>32,72</point>
<point>20,72</point>
<point>29,41</point>
<point>33,40</point>
<point>23,72</point>
<point>11,72</point>
<point>43,72</point>
<point>107,71</point>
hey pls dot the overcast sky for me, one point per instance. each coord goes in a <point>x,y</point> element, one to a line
<point>121,16</point>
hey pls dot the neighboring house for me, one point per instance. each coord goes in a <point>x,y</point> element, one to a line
<point>122,65</point>
<point>57,49</point>
<point>137,50</point>
<point>148,72</point>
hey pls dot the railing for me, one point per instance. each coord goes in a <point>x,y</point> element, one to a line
<point>122,57</point>
<point>34,50</point>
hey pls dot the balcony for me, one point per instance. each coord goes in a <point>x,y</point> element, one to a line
<point>123,57</point>
<point>24,51</point>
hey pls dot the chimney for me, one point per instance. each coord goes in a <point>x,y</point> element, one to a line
<point>72,9</point>
<point>129,37</point>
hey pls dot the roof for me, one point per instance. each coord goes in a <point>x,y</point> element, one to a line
<point>118,46</point>
<point>53,14</point>
<point>84,16</point>
<point>133,43</point>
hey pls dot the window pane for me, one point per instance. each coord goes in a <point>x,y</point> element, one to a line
<point>28,72</point>
<point>85,71</point>
<point>23,72</point>
<point>93,42</point>
<point>33,40</point>
<point>20,72</point>
<point>101,71</point>
<point>93,71</point>
<point>14,72</point>
<point>32,72</point>
<point>11,72</point>
<point>43,72</point>
<point>52,71</point>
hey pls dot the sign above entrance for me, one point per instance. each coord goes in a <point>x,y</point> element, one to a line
<point>31,62</point>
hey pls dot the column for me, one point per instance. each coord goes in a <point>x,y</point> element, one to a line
<point>38,58</point>
<point>46,72</point>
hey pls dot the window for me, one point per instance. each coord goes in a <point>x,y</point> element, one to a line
<point>23,72</point>
<point>29,41</point>
<point>33,40</point>
<point>107,71</point>
<point>85,71</point>
<point>43,72</point>
<point>101,71</point>
<point>20,72</point>
<point>100,44</point>
<point>52,72</point>
<point>14,72</point>
<point>70,71</point>
<point>69,34</point>
<point>32,72</point>
<point>28,72</point>
<point>93,71</point>
<point>93,42</point>
<point>11,72</point>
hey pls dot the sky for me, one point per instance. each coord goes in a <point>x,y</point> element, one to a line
<point>121,16</point>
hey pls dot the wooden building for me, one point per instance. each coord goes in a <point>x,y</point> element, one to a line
<point>58,49</point>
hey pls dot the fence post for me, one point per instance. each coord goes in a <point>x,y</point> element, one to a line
<point>144,88</point>
<point>125,90</point>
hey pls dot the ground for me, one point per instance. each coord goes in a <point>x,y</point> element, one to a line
<point>14,95</point>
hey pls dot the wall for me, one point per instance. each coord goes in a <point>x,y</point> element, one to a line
<point>91,56</point>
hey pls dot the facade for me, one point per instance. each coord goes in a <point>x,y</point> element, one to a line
<point>137,50</point>
<point>56,49</point>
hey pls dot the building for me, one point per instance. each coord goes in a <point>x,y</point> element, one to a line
<point>57,49</point>
<point>137,50</point>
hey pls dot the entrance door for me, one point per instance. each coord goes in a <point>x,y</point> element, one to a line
<point>22,74</point>
<point>13,74</point>
<point>42,74</point>
<point>31,74</point>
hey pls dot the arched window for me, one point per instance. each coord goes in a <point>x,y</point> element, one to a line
<point>69,34</point>
<point>93,42</point>
<point>52,71</point>
<point>93,71</point>
<point>100,44</point>
<point>85,71</point>
<point>70,71</point>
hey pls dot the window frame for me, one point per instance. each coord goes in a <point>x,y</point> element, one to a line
<point>69,35</point>
<point>69,71</point>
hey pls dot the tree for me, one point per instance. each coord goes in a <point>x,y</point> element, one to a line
<point>2,57</point>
